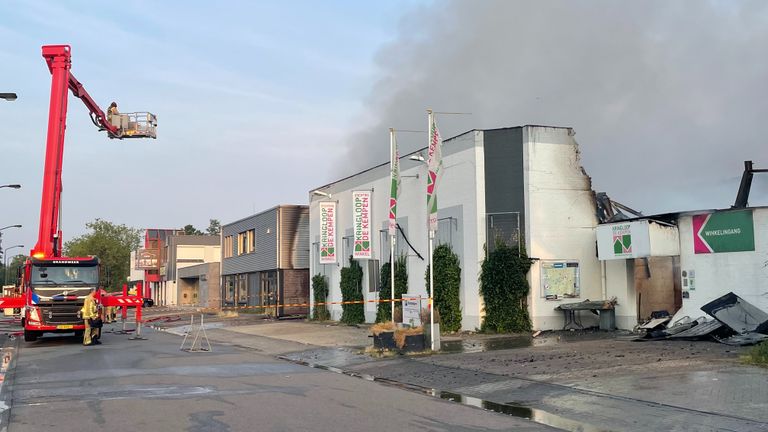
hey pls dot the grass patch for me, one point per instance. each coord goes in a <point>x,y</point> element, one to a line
<point>757,355</point>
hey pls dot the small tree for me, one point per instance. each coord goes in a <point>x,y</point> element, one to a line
<point>447,281</point>
<point>504,287</point>
<point>113,244</point>
<point>352,290</point>
<point>214,227</point>
<point>320,291</point>
<point>191,230</point>
<point>384,309</point>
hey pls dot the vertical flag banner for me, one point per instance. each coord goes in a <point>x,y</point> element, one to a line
<point>327,232</point>
<point>394,190</point>
<point>361,217</point>
<point>435,166</point>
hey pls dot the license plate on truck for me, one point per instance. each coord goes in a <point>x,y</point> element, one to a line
<point>65,326</point>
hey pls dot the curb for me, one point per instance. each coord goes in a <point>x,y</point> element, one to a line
<point>10,351</point>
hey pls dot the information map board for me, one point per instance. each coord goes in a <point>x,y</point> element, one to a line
<point>560,278</point>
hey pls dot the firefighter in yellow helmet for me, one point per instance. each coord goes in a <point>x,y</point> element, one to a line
<point>90,312</point>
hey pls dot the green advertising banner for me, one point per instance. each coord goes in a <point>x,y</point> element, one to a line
<point>729,231</point>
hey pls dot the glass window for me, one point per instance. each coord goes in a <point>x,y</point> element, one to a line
<point>63,275</point>
<point>229,289</point>
<point>251,241</point>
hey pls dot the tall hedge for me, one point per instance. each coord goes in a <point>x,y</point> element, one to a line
<point>447,280</point>
<point>352,290</point>
<point>320,295</point>
<point>384,309</point>
<point>504,287</point>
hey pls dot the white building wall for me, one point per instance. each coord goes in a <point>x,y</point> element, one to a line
<point>716,274</point>
<point>560,218</point>
<point>135,274</point>
<point>205,253</point>
<point>459,186</point>
<point>620,283</point>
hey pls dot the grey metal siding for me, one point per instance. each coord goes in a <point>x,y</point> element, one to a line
<point>294,237</point>
<point>504,188</point>
<point>265,256</point>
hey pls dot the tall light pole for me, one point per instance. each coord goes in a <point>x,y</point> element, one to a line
<point>12,186</point>
<point>9,96</point>
<point>5,268</point>
<point>1,233</point>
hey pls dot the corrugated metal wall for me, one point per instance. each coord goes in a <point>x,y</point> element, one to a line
<point>294,237</point>
<point>265,256</point>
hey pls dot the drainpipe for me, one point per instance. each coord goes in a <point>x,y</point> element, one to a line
<point>603,283</point>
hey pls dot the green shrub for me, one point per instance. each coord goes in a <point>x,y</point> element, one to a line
<point>758,355</point>
<point>320,295</point>
<point>447,282</point>
<point>352,290</point>
<point>504,287</point>
<point>384,309</point>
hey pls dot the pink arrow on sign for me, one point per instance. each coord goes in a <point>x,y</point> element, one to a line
<point>700,246</point>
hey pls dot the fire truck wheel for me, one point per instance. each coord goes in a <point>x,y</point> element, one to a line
<point>79,333</point>
<point>30,336</point>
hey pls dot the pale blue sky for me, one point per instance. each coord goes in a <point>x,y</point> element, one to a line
<point>250,96</point>
<point>258,102</point>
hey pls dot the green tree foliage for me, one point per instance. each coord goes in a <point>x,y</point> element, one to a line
<point>191,230</point>
<point>447,280</point>
<point>320,294</point>
<point>13,267</point>
<point>504,287</point>
<point>112,244</point>
<point>384,309</point>
<point>352,290</point>
<point>214,227</point>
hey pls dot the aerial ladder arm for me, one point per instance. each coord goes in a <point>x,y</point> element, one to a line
<point>131,125</point>
<point>97,115</point>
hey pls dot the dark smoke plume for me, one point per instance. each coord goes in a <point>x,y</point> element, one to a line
<point>667,98</point>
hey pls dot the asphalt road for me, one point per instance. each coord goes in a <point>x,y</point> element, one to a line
<point>150,385</point>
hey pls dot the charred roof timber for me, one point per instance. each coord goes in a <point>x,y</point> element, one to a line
<point>742,198</point>
<point>609,210</point>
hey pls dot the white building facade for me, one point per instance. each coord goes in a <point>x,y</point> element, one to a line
<point>739,263</point>
<point>184,251</point>
<point>520,184</point>
<point>714,252</point>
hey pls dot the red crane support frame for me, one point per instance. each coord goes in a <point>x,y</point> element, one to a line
<point>59,60</point>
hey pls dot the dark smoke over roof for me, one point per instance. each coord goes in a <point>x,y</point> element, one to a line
<point>667,98</point>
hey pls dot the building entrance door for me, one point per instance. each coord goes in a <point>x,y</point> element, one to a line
<point>268,292</point>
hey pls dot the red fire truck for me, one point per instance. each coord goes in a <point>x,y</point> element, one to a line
<point>52,288</point>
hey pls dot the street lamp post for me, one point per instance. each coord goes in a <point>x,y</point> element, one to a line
<point>9,96</point>
<point>5,268</point>
<point>1,233</point>
<point>12,186</point>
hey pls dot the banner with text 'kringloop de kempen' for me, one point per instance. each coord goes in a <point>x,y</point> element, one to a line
<point>435,167</point>
<point>394,189</point>
<point>327,232</point>
<point>361,219</point>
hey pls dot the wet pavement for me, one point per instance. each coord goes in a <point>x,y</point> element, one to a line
<point>128,385</point>
<point>575,381</point>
